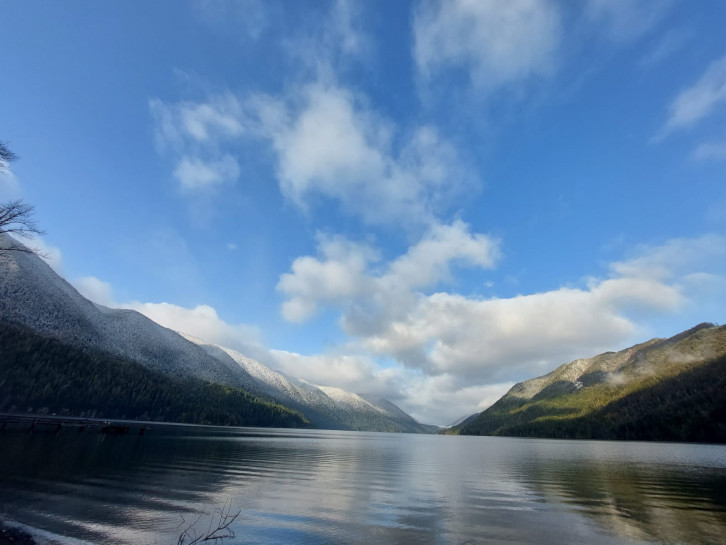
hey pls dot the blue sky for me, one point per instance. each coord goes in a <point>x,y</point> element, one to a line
<point>426,200</point>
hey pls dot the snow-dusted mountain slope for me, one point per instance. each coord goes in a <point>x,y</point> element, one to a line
<point>325,406</point>
<point>32,294</point>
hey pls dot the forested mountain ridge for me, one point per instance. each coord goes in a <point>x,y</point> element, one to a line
<point>663,389</point>
<point>43,375</point>
<point>34,297</point>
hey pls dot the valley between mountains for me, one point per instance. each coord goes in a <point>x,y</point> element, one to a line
<point>64,354</point>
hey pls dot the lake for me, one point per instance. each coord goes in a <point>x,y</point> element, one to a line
<point>331,487</point>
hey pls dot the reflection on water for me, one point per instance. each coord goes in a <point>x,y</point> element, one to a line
<point>312,487</point>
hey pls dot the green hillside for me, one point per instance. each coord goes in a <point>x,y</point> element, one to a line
<point>665,389</point>
<point>42,374</point>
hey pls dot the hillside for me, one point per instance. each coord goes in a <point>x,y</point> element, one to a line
<point>326,406</point>
<point>34,297</point>
<point>664,389</point>
<point>44,375</point>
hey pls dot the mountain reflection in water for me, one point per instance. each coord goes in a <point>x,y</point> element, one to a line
<point>343,487</point>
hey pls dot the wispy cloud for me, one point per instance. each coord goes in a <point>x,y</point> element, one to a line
<point>698,101</point>
<point>195,135</point>
<point>194,173</point>
<point>667,45</point>
<point>710,151</point>
<point>627,20</point>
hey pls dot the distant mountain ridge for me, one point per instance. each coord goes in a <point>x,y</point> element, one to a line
<point>34,296</point>
<point>326,406</point>
<point>662,389</point>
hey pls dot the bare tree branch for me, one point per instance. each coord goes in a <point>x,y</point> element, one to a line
<point>7,156</point>
<point>218,530</point>
<point>16,217</point>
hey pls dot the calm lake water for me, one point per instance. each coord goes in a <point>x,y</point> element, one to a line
<point>325,487</point>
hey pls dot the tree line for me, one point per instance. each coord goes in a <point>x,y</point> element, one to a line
<point>40,374</point>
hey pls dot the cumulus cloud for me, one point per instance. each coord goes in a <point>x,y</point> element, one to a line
<point>443,399</point>
<point>329,143</point>
<point>340,275</point>
<point>498,43</point>
<point>698,101</point>
<point>392,316</point>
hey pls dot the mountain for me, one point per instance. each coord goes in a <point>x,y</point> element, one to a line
<point>42,375</point>
<point>33,296</point>
<point>326,406</point>
<point>663,389</point>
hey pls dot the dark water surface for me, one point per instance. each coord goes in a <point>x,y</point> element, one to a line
<point>325,487</point>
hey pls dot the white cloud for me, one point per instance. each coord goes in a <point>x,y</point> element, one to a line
<point>352,372</point>
<point>627,20</point>
<point>341,275</point>
<point>194,173</point>
<point>47,252</point>
<point>674,258</point>
<point>95,290</point>
<point>429,399</point>
<point>389,315</point>
<point>203,321</point>
<point>329,143</point>
<point>710,151</point>
<point>218,118</point>
<point>443,399</point>
<point>181,125</point>
<point>196,135</point>
<point>698,101</point>
<point>498,43</point>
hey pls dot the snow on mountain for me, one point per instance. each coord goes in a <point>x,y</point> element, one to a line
<point>33,295</point>
<point>325,406</point>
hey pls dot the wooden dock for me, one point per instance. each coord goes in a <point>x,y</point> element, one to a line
<point>33,422</point>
